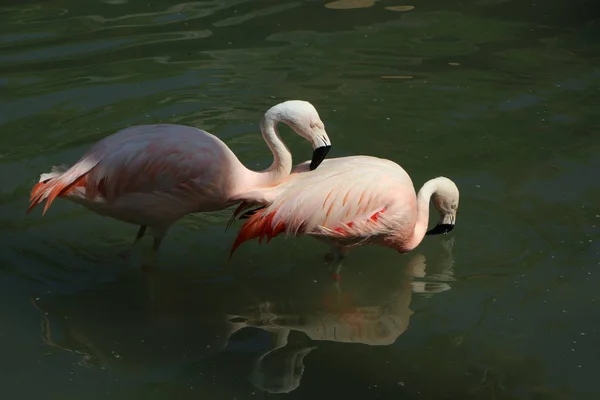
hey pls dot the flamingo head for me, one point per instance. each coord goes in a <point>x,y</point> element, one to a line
<point>445,199</point>
<point>304,119</point>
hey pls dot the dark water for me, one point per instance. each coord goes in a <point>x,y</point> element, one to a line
<point>501,96</point>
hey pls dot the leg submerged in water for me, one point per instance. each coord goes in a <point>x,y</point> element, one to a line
<point>151,259</point>
<point>128,254</point>
<point>140,234</point>
<point>156,244</point>
<point>336,257</point>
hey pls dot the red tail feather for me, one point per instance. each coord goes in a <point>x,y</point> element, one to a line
<point>50,190</point>
<point>258,225</point>
<point>37,192</point>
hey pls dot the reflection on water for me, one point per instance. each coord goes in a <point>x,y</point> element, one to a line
<point>500,95</point>
<point>135,325</point>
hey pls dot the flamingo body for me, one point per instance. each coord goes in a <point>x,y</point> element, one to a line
<point>152,175</point>
<point>147,175</point>
<point>350,202</point>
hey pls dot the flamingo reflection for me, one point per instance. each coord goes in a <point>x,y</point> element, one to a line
<point>119,326</point>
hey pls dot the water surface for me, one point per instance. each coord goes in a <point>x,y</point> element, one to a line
<point>500,96</point>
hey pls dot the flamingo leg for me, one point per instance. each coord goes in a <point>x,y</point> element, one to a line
<point>336,257</point>
<point>128,254</point>
<point>150,262</point>
<point>336,268</point>
<point>156,243</point>
<point>337,276</point>
<point>140,234</point>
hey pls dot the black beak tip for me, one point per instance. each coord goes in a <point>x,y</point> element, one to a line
<point>318,156</point>
<point>440,228</point>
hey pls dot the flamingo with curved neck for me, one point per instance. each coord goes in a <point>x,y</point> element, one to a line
<point>445,195</point>
<point>303,118</point>
<point>351,202</point>
<point>152,175</point>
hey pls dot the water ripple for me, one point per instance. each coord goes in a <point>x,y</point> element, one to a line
<point>64,51</point>
<point>23,37</point>
<point>259,13</point>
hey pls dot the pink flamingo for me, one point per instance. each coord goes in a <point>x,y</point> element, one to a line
<point>350,202</point>
<point>152,175</point>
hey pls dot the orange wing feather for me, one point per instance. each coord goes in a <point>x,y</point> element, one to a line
<point>259,225</point>
<point>52,188</point>
<point>142,159</point>
<point>346,198</point>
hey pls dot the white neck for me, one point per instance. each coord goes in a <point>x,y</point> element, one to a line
<point>423,198</point>
<point>290,113</point>
<point>282,158</point>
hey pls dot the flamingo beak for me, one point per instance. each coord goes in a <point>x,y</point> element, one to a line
<point>440,228</point>
<point>319,155</point>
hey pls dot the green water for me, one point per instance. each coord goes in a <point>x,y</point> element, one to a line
<point>500,96</point>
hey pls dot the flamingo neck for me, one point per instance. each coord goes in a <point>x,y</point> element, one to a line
<point>423,198</point>
<point>282,158</point>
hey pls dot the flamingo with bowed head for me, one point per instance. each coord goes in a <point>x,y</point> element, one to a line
<point>350,202</point>
<point>152,175</point>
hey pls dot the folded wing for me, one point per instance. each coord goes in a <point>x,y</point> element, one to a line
<point>345,197</point>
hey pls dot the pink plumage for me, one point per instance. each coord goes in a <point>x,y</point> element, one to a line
<point>352,201</point>
<point>152,175</point>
